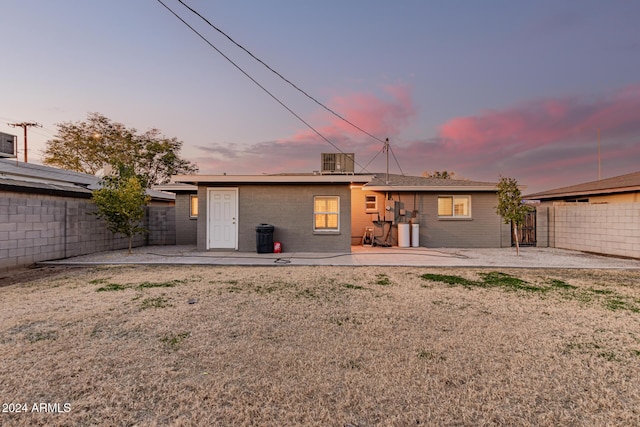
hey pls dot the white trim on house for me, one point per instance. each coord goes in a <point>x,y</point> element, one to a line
<point>234,218</point>
<point>326,214</point>
<point>452,207</point>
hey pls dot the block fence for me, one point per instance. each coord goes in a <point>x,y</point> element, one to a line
<point>611,229</point>
<point>36,228</point>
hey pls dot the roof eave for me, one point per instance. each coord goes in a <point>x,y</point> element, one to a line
<point>42,188</point>
<point>175,187</point>
<point>270,179</point>
<point>619,190</point>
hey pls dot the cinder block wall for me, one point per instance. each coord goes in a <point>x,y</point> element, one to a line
<point>484,229</point>
<point>543,223</point>
<point>186,227</point>
<point>289,208</point>
<point>161,223</point>
<point>612,229</point>
<point>36,228</point>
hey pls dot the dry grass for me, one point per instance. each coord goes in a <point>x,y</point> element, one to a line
<point>323,346</point>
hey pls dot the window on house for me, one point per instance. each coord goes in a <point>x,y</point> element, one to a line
<point>326,213</point>
<point>193,206</point>
<point>371,203</point>
<point>454,206</point>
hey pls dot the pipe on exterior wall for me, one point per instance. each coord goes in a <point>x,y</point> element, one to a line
<point>65,228</point>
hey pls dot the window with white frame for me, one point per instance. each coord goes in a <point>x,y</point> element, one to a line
<point>371,203</point>
<point>326,213</point>
<point>454,206</point>
<point>193,206</point>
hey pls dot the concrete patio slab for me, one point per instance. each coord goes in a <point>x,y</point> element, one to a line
<point>360,256</point>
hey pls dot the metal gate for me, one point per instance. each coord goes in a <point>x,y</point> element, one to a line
<point>527,231</point>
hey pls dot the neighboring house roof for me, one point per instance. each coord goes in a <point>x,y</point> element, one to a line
<point>618,184</point>
<point>33,178</point>
<point>41,187</point>
<point>160,195</point>
<point>176,187</point>
<point>34,172</point>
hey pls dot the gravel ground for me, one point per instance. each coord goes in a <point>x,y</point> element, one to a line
<point>308,345</point>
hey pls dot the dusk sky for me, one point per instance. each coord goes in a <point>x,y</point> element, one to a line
<point>482,89</point>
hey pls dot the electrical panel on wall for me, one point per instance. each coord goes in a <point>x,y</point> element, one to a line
<point>393,211</point>
<point>389,212</point>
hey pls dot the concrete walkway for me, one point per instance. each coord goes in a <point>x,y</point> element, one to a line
<point>375,256</point>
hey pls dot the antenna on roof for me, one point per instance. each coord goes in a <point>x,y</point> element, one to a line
<point>386,149</point>
<point>599,170</point>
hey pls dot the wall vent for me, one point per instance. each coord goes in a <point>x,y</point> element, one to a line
<point>339,163</point>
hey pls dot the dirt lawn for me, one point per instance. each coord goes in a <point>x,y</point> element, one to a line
<point>326,346</point>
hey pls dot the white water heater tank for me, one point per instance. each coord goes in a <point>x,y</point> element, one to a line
<point>415,235</point>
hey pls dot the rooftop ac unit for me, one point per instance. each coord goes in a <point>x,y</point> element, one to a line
<point>337,163</point>
<point>7,145</point>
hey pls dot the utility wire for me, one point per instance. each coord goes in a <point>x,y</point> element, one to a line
<point>292,84</point>
<point>280,75</point>
<point>396,159</point>
<point>254,80</point>
<point>370,161</point>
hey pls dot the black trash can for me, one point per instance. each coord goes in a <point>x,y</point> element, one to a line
<point>264,238</point>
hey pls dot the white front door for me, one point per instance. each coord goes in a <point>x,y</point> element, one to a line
<point>222,213</point>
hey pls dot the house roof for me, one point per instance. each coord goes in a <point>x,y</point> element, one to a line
<point>293,178</point>
<point>374,182</point>
<point>35,178</point>
<point>421,183</point>
<point>617,184</point>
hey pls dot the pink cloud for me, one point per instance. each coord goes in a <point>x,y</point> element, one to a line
<point>380,116</point>
<point>547,122</point>
<point>540,142</point>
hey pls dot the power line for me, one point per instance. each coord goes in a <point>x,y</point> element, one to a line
<point>295,86</point>
<point>280,75</point>
<point>44,132</point>
<point>396,159</point>
<point>254,80</point>
<point>374,157</point>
